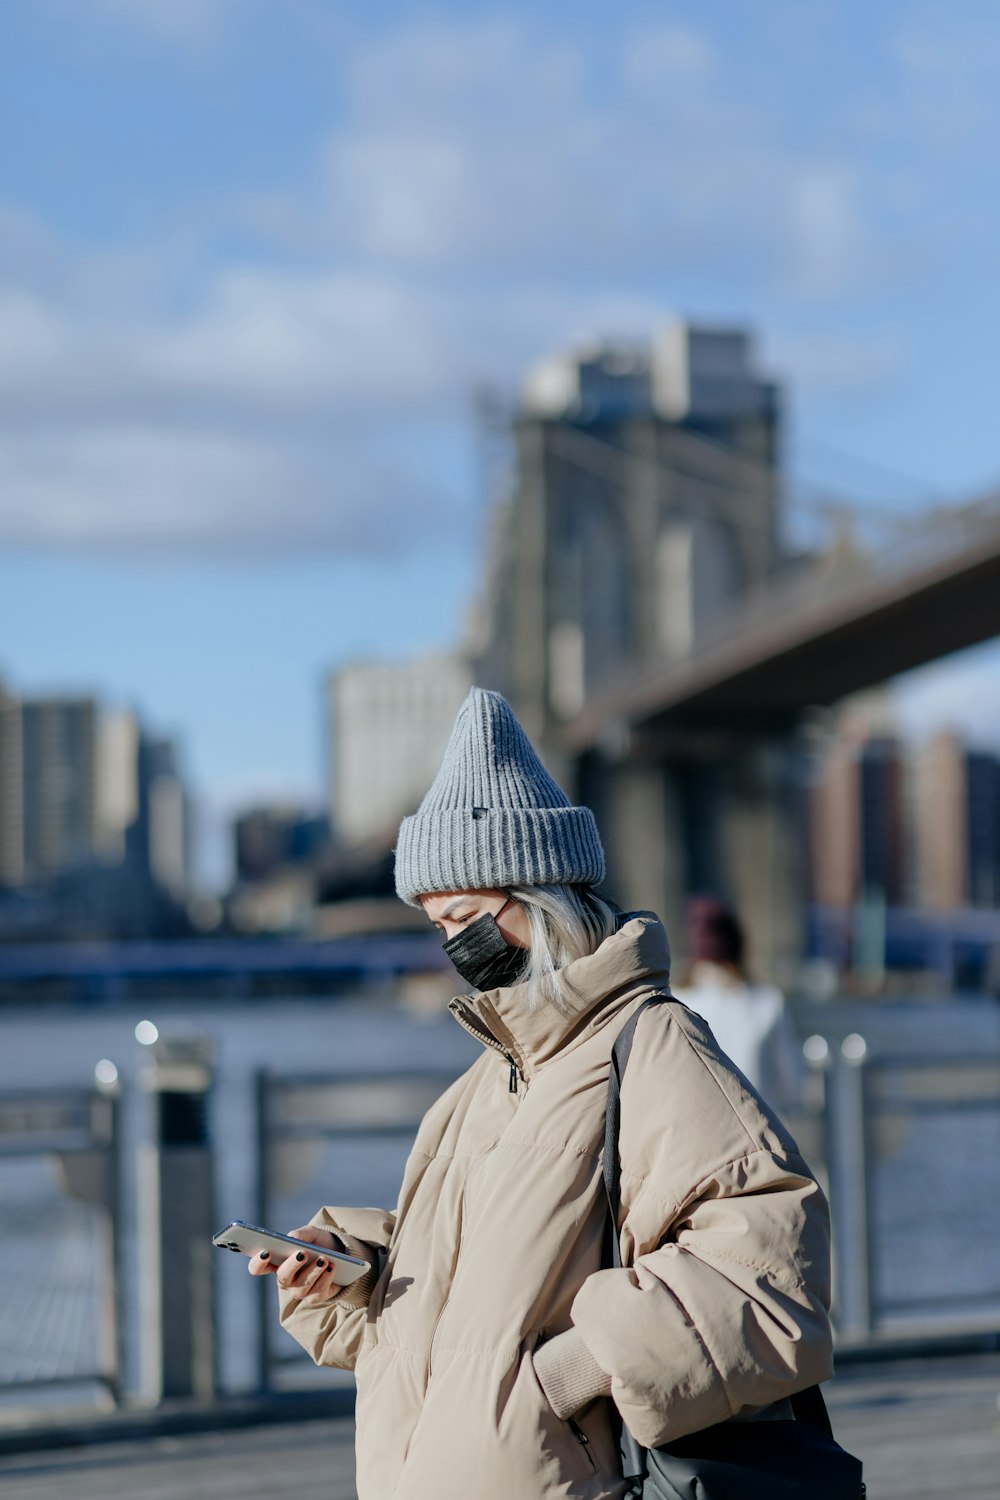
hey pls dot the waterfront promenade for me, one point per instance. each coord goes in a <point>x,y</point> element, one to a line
<point>926,1430</point>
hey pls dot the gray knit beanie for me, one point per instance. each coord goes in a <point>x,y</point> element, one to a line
<point>494,817</point>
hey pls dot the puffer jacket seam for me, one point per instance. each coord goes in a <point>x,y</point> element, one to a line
<point>774,1274</point>
<point>676,1208</point>
<point>559,1148</point>
<point>697,1193</point>
<point>490,1351</point>
<point>469,1156</point>
<point>383,1346</point>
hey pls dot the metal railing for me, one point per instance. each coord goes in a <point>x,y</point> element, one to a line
<point>908,1149</point>
<point>61,1240</point>
<point>317,1134</point>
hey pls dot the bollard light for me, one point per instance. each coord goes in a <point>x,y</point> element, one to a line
<point>854,1048</point>
<point>105,1073</point>
<point>816,1051</point>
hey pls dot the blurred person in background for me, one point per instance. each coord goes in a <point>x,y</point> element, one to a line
<point>750,1022</point>
<point>492,1343</point>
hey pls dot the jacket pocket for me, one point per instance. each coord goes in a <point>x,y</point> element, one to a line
<point>565,1441</point>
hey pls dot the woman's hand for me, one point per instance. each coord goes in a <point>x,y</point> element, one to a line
<point>309,1279</point>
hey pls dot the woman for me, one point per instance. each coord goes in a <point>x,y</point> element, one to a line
<point>750,1021</point>
<point>488,1343</point>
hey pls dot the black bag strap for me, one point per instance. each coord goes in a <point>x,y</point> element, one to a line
<point>807,1406</point>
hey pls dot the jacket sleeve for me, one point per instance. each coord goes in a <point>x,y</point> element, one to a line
<point>331,1333</point>
<point>722,1306</point>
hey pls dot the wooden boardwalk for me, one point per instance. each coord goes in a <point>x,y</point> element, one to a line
<point>926,1431</point>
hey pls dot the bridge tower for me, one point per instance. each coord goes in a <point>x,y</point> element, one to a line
<point>645,504</point>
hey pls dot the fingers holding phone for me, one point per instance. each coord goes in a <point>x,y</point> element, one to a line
<point>305,1275</point>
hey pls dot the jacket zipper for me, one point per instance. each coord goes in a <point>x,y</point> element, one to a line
<point>582,1439</point>
<point>489,1040</point>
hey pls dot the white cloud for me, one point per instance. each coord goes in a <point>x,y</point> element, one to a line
<point>829,241</point>
<point>191,26</point>
<point>484,197</point>
<point>260,420</point>
<point>155,492</point>
<point>665,55</point>
<point>348,336</point>
<point>499,146</point>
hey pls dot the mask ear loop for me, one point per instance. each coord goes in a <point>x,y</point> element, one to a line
<point>503,908</point>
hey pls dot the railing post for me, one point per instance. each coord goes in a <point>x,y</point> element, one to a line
<point>112,1330</point>
<point>265,1309</point>
<point>177,1219</point>
<point>848,1165</point>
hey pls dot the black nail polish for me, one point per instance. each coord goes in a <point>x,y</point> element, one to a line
<point>320,1264</point>
<point>265,1254</point>
<point>300,1255</point>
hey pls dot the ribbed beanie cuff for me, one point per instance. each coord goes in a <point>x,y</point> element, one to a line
<point>458,851</point>
<point>494,817</point>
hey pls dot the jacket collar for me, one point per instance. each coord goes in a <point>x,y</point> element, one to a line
<point>592,990</point>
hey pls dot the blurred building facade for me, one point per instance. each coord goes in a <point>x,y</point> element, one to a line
<point>11,791</point>
<point>388,724</point>
<point>272,835</point>
<point>956,828</point>
<point>60,759</point>
<point>911,824</point>
<point>95,820</point>
<point>279,850</point>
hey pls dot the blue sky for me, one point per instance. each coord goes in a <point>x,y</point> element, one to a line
<point>255,257</point>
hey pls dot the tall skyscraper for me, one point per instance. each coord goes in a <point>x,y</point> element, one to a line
<point>859,838</point>
<point>93,811</point>
<point>956,809</point>
<point>916,824</point>
<point>60,780</point>
<point>388,727</point>
<point>834,833</point>
<point>161,834</point>
<point>982,782</point>
<point>117,772</point>
<point>882,832</point>
<point>11,791</point>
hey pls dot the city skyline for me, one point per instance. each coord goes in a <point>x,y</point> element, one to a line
<point>253,268</point>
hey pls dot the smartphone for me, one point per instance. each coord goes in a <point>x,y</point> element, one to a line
<point>248,1239</point>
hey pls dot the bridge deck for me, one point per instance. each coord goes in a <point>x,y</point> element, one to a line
<point>812,639</point>
<point>925,1431</point>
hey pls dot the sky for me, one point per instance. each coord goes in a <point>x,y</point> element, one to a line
<point>257,256</point>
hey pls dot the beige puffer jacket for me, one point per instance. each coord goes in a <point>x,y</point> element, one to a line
<point>490,1335</point>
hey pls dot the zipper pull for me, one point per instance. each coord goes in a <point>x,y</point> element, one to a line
<point>512,1085</point>
<point>578,1432</point>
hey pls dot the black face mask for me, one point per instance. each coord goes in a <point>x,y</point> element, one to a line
<point>483,957</point>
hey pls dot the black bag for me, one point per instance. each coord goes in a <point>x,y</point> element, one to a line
<point>764,1460</point>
